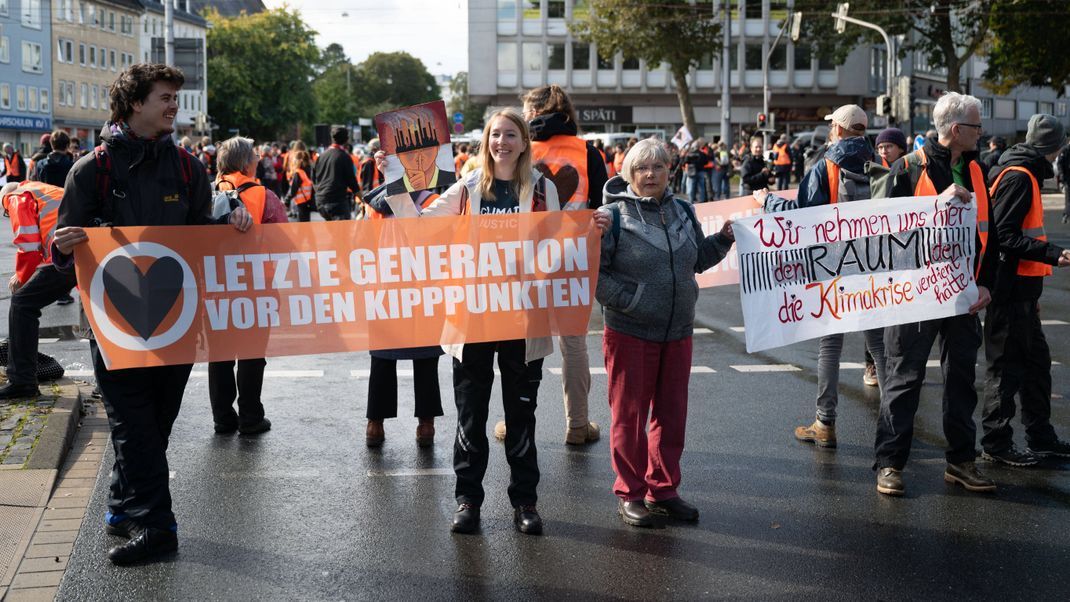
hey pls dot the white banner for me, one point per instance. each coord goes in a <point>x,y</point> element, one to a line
<point>854,266</point>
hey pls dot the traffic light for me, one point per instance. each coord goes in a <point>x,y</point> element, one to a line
<point>762,121</point>
<point>884,105</point>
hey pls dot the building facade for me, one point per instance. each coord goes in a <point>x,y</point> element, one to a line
<point>95,40</point>
<point>190,32</point>
<point>533,46</point>
<point>26,99</point>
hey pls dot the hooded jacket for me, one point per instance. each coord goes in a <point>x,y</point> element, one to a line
<point>1010,204</point>
<point>53,168</point>
<point>547,126</point>
<point>850,154</point>
<point>646,278</point>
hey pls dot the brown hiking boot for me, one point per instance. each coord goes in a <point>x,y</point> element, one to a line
<point>375,435</point>
<point>890,481</point>
<point>582,434</point>
<point>818,433</point>
<point>425,432</point>
<point>967,475</point>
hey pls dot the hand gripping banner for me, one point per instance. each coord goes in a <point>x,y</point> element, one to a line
<point>172,295</point>
<point>854,266</point>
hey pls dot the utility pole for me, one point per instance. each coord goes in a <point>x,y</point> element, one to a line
<point>726,80</point>
<point>794,20</point>
<point>891,72</point>
<point>169,32</point>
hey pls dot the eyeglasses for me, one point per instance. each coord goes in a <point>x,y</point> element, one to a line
<point>971,125</point>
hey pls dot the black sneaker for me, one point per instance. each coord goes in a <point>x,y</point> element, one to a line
<point>1012,456</point>
<point>1054,449</point>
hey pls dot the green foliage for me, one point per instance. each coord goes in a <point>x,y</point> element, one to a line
<point>676,32</point>
<point>384,81</point>
<point>1023,49</point>
<point>259,68</point>
<point>460,102</point>
<point>334,87</point>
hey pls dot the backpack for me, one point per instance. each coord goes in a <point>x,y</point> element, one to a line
<point>614,213</point>
<point>225,201</point>
<point>105,192</point>
<point>853,187</point>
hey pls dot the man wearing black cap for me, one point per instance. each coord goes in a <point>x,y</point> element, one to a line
<point>1017,354</point>
<point>334,180</point>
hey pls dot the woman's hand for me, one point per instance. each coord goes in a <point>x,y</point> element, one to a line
<point>727,232</point>
<point>68,238</point>
<point>240,219</point>
<point>602,220</point>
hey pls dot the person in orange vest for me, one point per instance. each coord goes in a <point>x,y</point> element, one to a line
<point>461,158</point>
<point>299,194</point>
<point>33,208</point>
<point>14,166</point>
<point>371,177</point>
<point>947,164</point>
<point>237,160</point>
<point>618,158</point>
<point>1017,356</point>
<point>891,144</point>
<point>782,162</point>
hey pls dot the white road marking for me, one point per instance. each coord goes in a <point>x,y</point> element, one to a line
<point>272,373</point>
<point>77,373</point>
<point>402,373</point>
<point>738,329</point>
<point>1053,323</point>
<point>932,364</point>
<point>766,368</point>
<point>47,341</point>
<point>852,366</point>
<point>171,474</point>
<point>703,331</point>
<point>413,472</point>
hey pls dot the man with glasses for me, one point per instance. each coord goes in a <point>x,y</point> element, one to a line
<point>949,163</point>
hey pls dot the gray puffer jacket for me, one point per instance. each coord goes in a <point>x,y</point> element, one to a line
<point>646,280</point>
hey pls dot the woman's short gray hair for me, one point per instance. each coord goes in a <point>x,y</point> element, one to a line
<point>953,108</point>
<point>234,155</point>
<point>644,150</point>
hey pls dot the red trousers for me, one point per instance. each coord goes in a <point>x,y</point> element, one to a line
<point>646,379</point>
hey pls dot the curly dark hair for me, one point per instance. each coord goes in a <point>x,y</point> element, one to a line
<point>135,84</point>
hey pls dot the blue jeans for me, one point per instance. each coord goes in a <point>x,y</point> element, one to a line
<point>696,187</point>
<point>719,185</point>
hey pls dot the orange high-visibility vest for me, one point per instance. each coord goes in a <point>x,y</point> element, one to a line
<point>925,187</point>
<point>1032,225</point>
<point>377,177</point>
<point>34,210</point>
<point>782,156</point>
<point>254,198</point>
<point>561,152</point>
<point>304,193</point>
<point>459,161</point>
<point>13,165</point>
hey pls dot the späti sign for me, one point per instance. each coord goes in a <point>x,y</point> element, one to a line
<point>172,295</point>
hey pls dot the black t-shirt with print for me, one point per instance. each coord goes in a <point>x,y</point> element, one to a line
<point>505,200</point>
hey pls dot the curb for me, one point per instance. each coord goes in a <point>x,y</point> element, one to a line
<point>58,433</point>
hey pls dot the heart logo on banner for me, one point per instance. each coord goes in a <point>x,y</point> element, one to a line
<point>143,300</point>
<point>566,180</point>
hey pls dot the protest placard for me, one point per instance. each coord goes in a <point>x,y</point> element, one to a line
<point>854,266</point>
<point>171,295</point>
<point>416,141</point>
<point>712,216</point>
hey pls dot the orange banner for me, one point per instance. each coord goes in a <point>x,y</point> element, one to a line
<point>183,294</point>
<point>712,216</point>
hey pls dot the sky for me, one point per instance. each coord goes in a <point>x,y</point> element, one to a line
<point>434,31</point>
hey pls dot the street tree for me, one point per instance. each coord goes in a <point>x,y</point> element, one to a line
<point>389,80</point>
<point>336,81</point>
<point>460,102</point>
<point>259,70</point>
<point>677,33</point>
<point>1024,48</point>
<point>947,32</point>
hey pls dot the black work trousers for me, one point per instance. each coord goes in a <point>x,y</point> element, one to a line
<point>142,405</point>
<point>304,212</point>
<point>473,378</point>
<point>46,286</point>
<point>383,388</point>
<point>1018,363</point>
<point>246,386</point>
<point>907,348</point>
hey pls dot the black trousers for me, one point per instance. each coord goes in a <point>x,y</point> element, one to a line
<point>246,386</point>
<point>383,388</point>
<point>1018,363</point>
<point>907,348</point>
<point>473,378</point>
<point>142,405</point>
<point>304,212</point>
<point>46,286</point>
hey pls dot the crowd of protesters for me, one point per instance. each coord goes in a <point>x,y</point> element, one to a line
<point>652,248</point>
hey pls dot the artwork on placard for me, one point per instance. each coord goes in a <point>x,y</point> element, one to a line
<point>416,141</point>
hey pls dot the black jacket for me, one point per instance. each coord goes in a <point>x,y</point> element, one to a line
<point>751,173</point>
<point>1010,204</point>
<point>902,180</point>
<point>334,181</point>
<point>547,126</point>
<point>147,188</point>
<point>53,168</point>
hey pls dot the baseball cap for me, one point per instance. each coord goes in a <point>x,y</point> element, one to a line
<point>849,117</point>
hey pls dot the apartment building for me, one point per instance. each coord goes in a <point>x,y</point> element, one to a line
<point>190,31</point>
<point>25,72</point>
<point>94,41</point>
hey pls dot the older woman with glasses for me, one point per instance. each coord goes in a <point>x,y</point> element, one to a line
<point>650,255</point>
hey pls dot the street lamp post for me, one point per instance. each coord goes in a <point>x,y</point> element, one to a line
<point>890,71</point>
<point>795,20</point>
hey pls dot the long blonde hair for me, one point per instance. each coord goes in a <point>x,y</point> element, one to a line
<point>522,183</point>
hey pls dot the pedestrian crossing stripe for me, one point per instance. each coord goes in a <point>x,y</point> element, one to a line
<point>1053,323</point>
<point>766,368</point>
<point>738,329</point>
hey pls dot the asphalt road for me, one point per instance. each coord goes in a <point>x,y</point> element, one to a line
<point>307,512</point>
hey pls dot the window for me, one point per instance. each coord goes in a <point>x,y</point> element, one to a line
<point>61,98</point>
<point>20,98</point>
<point>44,100</point>
<point>31,57</point>
<point>92,56</point>
<point>145,24</point>
<point>706,62</point>
<point>111,56</point>
<point>70,94</point>
<point>555,9</point>
<point>31,14</point>
<point>105,99</point>
<point>532,56</point>
<point>65,51</point>
<point>1047,108</point>
<point>605,63</point>
<point>32,98</point>
<point>5,94</point>
<point>81,54</point>
<point>94,94</point>
<point>128,25</point>
<point>5,49</point>
<point>580,9</point>
<point>506,56</point>
<point>752,56</point>
<point>81,12</point>
<point>803,57</point>
<point>531,9</point>
<point>631,64</point>
<point>111,21</point>
<point>825,63</point>
<point>581,56</point>
<point>1060,109</point>
<point>83,97</point>
<point>557,56</point>
<point>753,11</point>
<point>778,61</point>
<point>778,10</point>
<point>986,108</point>
<point>61,12</point>
<point>3,12</point>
